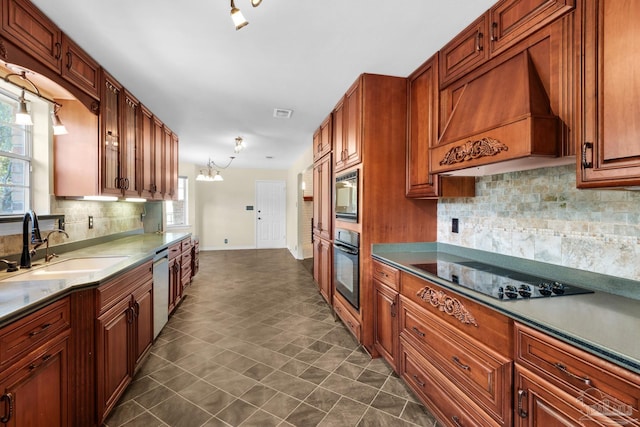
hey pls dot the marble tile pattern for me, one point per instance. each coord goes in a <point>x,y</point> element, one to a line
<point>540,215</point>
<point>254,344</point>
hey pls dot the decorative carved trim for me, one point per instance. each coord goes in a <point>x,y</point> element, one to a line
<point>95,107</point>
<point>3,49</point>
<point>473,150</point>
<point>447,305</point>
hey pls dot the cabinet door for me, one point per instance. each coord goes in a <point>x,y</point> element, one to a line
<point>174,283</point>
<point>143,325</point>
<point>352,125</point>
<point>539,404</point>
<point>111,141</point>
<point>423,122</point>
<point>36,394</point>
<point>158,159</point>
<point>79,68</point>
<point>27,27</point>
<point>147,155</point>
<point>322,139</point>
<point>113,361</point>
<point>339,141</point>
<point>322,201</point>
<point>167,182</point>
<point>385,309</point>
<point>465,52</point>
<point>326,269</point>
<point>129,150</point>
<point>610,143</point>
<point>513,20</point>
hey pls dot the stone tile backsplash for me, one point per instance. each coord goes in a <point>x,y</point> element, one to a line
<point>108,218</point>
<point>540,215</point>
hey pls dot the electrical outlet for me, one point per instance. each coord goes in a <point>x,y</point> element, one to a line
<point>90,222</point>
<point>454,225</point>
<point>226,241</point>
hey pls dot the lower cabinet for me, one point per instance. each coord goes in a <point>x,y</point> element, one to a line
<point>323,267</point>
<point>385,334</point>
<point>124,333</point>
<point>34,380</point>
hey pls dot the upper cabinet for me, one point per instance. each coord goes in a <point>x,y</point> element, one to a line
<point>130,151</point>
<point>504,25</point>
<point>610,147</point>
<point>112,182</point>
<point>347,128</point>
<point>79,68</point>
<point>27,27</point>
<point>322,139</point>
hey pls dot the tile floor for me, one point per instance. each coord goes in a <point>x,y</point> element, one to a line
<point>254,344</point>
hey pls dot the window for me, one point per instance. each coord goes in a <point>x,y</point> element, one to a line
<point>176,210</point>
<point>15,159</point>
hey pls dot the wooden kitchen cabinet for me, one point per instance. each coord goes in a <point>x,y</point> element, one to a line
<point>148,187</point>
<point>322,139</point>
<point>124,333</point>
<point>130,151</point>
<point>323,267</point>
<point>175,276</point>
<point>423,108</point>
<point>558,384</point>
<point>609,144</point>
<point>34,376</point>
<point>464,52</point>
<point>385,306</point>
<point>185,265</point>
<point>27,27</point>
<point>170,169</point>
<point>111,145</point>
<point>79,68</point>
<point>159,159</point>
<point>322,198</point>
<point>347,132</point>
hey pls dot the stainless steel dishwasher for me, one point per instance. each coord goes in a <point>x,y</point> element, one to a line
<point>160,291</point>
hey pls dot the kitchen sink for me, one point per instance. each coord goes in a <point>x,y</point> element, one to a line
<point>67,269</point>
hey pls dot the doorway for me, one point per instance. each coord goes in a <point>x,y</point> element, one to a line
<point>271,204</point>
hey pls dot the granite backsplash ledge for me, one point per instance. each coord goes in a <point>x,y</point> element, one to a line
<point>540,215</point>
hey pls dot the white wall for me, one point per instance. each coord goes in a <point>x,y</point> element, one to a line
<point>294,199</point>
<point>220,208</point>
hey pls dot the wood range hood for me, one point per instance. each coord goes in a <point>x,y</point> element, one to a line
<point>501,122</point>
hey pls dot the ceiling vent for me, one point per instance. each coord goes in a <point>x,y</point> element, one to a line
<point>282,113</point>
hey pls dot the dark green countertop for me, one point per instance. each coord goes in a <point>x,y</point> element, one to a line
<point>18,298</point>
<point>605,322</point>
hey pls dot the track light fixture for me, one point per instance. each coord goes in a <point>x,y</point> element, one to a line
<point>23,117</point>
<point>238,18</point>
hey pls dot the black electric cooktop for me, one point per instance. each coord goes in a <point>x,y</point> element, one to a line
<point>498,282</point>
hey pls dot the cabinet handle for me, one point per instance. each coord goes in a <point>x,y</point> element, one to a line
<point>39,331</point>
<point>7,397</point>
<point>58,50</point>
<point>522,394</point>
<point>494,31</point>
<point>69,60</point>
<point>33,366</point>
<point>393,309</point>
<point>456,421</point>
<point>564,370</point>
<point>417,380</point>
<point>587,146</point>
<point>126,183</point>
<point>460,364</point>
<point>418,331</point>
<point>478,42</point>
<point>137,308</point>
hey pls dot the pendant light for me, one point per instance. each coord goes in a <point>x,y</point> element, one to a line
<point>58,127</point>
<point>23,117</point>
<point>238,18</point>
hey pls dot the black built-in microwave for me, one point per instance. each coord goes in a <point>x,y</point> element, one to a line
<point>346,196</point>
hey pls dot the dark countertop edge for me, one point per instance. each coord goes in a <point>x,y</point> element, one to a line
<point>80,286</point>
<point>489,302</point>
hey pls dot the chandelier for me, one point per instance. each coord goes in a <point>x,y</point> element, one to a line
<point>207,174</point>
<point>238,19</point>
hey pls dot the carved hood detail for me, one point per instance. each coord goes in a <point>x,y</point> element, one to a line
<point>501,115</point>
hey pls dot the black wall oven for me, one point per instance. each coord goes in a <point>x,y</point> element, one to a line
<point>346,265</point>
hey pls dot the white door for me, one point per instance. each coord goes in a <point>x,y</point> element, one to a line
<point>271,203</point>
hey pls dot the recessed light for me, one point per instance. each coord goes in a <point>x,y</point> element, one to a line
<point>282,113</point>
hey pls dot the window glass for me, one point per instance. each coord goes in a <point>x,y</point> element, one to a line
<point>15,159</point>
<point>176,210</point>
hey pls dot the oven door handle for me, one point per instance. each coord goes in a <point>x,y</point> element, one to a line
<point>346,249</point>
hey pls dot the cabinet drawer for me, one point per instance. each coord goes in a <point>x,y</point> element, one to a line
<point>175,250</point>
<point>21,337</point>
<point>481,373</point>
<point>576,372</point>
<point>347,318</point>
<point>485,325</point>
<point>185,245</point>
<point>386,274</point>
<point>112,291</point>
<point>447,403</point>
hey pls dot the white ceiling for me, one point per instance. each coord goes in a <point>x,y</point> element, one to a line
<point>210,83</point>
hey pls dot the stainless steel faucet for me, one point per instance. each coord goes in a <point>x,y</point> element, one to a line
<point>36,239</point>
<point>48,257</point>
